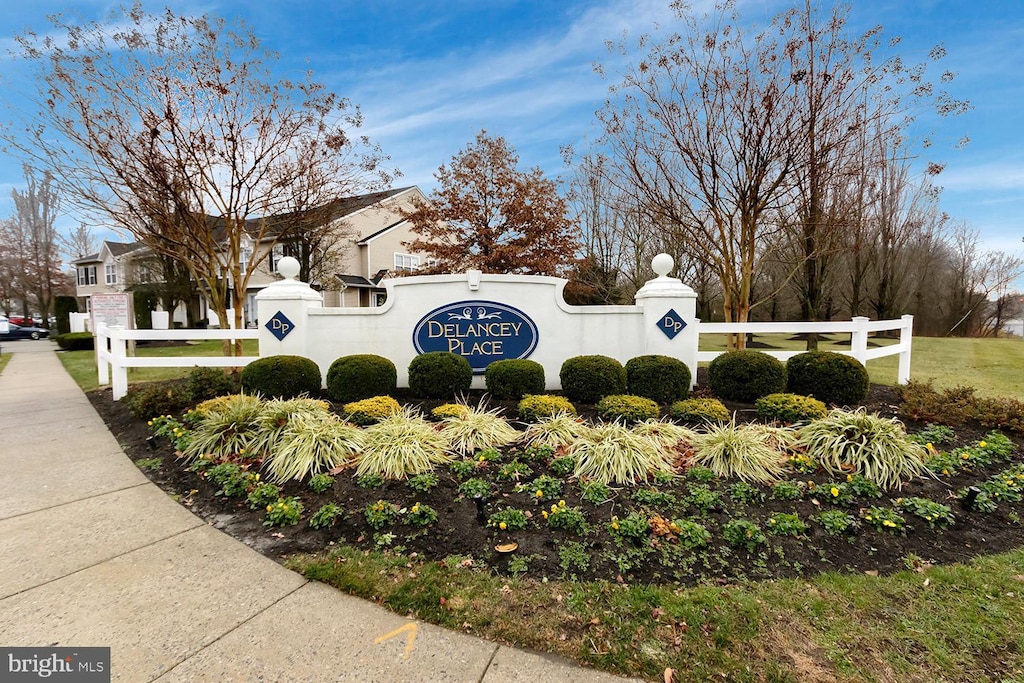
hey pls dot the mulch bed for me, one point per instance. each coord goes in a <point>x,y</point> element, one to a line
<point>459,531</point>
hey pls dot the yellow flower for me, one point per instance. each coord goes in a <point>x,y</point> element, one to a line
<point>849,477</point>
<point>502,526</point>
<point>982,444</point>
<point>545,513</point>
<point>561,503</point>
<point>269,508</point>
<point>834,491</point>
<point>888,522</point>
<point>615,525</point>
<point>540,494</point>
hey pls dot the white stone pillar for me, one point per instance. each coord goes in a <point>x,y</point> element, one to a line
<point>281,309</point>
<point>670,316</point>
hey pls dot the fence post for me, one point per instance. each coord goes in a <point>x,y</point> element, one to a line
<point>120,372</point>
<point>100,348</point>
<point>859,339</point>
<point>906,342</point>
<point>281,309</point>
<point>670,316</point>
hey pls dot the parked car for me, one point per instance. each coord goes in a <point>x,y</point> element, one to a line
<point>24,332</point>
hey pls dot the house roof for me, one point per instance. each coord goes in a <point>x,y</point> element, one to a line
<point>115,248</point>
<point>366,240</point>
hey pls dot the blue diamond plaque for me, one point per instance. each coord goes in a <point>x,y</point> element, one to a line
<point>280,326</point>
<point>671,324</point>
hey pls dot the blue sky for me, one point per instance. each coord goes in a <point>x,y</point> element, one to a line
<point>430,75</point>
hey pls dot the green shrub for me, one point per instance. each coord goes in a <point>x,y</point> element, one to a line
<point>742,533</point>
<point>203,384</point>
<point>588,379</point>
<point>627,409</point>
<point>746,375</point>
<point>828,376</point>
<point>281,377</point>
<point>700,410</point>
<point>662,379</point>
<point>921,401</point>
<point>370,411</point>
<point>790,408</point>
<point>76,341</point>
<point>156,398</point>
<point>514,378</point>
<point>439,374</point>
<point>534,408</point>
<point>352,378</point>
<point>63,307</point>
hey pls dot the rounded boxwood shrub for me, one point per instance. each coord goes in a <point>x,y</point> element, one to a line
<point>533,408</point>
<point>699,410</point>
<point>627,408</point>
<point>746,375</point>
<point>588,379</point>
<point>790,408</point>
<point>75,341</point>
<point>370,411</point>
<point>662,379</point>
<point>439,374</point>
<point>514,378</point>
<point>828,376</point>
<point>281,377</point>
<point>203,384</point>
<point>363,375</point>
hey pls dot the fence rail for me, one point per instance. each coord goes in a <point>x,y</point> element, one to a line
<point>112,357</point>
<point>113,361</point>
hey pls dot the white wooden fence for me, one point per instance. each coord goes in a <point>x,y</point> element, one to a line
<point>859,328</point>
<point>112,359</point>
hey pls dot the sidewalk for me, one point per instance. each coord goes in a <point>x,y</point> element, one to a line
<point>93,554</point>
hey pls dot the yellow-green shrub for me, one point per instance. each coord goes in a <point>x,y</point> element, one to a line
<point>697,410</point>
<point>627,408</point>
<point>790,408</point>
<point>536,406</point>
<point>447,410</point>
<point>371,410</point>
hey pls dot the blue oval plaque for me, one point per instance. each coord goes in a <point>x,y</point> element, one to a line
<point>480,331</point>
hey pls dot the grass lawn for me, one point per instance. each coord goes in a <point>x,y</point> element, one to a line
<point>5,358</point>
<point>81,365</point>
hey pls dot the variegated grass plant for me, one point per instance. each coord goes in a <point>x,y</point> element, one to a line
<point>747,452</point>
<point>614,454</point>
<point>478,429</point>
<point>402,445</point>
<point>276,416</point>
<point>225,429</point>
<point>557,431</point>
<point>875,447</point>
<point>667,435</point>
<point>311,443</point>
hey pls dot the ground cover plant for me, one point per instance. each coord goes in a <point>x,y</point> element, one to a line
<point>664,572</point>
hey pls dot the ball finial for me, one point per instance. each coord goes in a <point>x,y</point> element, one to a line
<point>288,267</point>
<point>662,264</point>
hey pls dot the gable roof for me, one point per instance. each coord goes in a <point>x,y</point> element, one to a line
<point>115,249</point>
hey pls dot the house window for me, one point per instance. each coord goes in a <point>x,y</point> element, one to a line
<point>276,254</point>
<point>379,298</point>
<point>243,261</point>
<point>407,262</point>
<point>110,274</point>
<point>87,275</point>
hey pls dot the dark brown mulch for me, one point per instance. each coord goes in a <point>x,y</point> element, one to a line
<point>459,532</point>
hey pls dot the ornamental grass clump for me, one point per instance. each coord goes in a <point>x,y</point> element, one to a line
<point>402,445</point>
<point>744,452</point>
<point>557,431</point>
<point>311,444</point>
<point>613,454</point>
<point>875,447</point>
<point>275,416</point>
<point>231,428</point>
<point>479,429</point>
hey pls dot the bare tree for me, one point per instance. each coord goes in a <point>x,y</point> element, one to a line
<point>34,241</point>
<point>180,117</point>
<point>701,130</point>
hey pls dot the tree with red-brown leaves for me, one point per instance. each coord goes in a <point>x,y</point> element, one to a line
<point>487,214</point>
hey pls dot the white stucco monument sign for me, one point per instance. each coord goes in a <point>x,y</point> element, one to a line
<point>481,317</point>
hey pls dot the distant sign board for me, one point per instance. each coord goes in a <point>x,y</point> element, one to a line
<point>112,310</point>
<point>480,331</point>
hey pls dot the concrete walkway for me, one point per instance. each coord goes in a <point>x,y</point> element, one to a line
<point>93,554</point>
